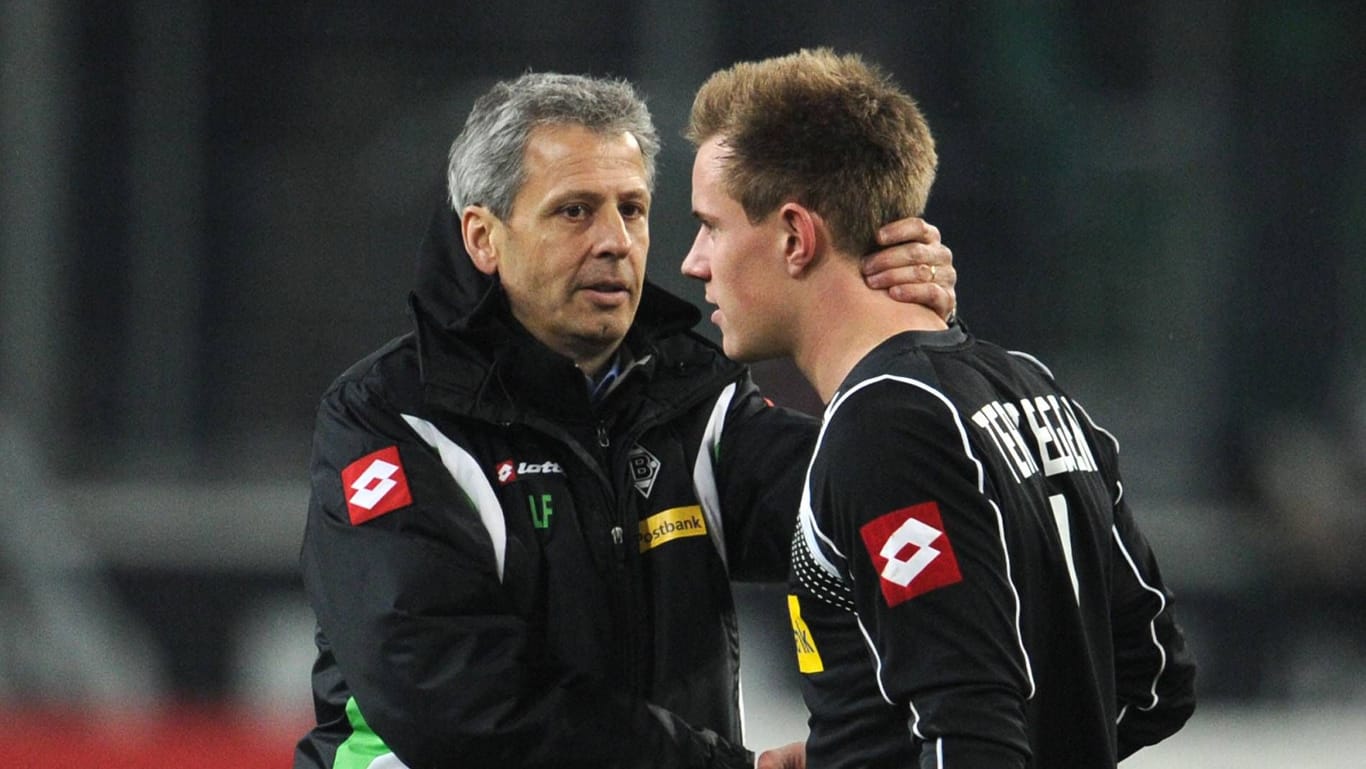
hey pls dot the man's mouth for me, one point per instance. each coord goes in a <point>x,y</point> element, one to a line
<point>607,291</point>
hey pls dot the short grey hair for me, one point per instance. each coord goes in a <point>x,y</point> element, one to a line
<point>486,165</point>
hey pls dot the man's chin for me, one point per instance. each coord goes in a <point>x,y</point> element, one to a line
<point>602,337</point>
<point>737,351</point>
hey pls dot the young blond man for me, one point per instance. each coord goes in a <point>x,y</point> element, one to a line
<point>969,588</point>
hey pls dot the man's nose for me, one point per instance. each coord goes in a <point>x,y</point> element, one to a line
<point>695,264</point>
<point>613,234</point>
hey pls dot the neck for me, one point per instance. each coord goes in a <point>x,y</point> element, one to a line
<point>844,321</point>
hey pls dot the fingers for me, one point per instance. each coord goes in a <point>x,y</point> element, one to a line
<point>913,266</point>
<point>912,228</point>
<point>902,254</point>
<point>911,274</point>
<point>936,297</point>
<point>791,756</point>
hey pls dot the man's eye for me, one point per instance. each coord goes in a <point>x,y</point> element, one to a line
<point>575,211</point>
<point>632,210</point>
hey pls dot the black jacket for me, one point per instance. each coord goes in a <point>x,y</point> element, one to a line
<point>981,596</point>
<point>508,575</point>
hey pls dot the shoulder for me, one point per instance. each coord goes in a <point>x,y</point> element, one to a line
<point>690,352</point>
<point>390,374</point>
<point>688,369</point>
<point>888,409</point>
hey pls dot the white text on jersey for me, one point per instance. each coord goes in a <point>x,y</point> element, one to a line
<point>1051,422</point>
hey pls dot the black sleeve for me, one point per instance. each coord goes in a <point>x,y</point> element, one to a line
<point>441,667</point>
<point>761,461</point>
<point>903,500</point>
<point>1154,671</point>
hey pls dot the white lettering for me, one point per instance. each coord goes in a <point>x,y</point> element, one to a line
<point>1053,451</point>
<point>1058,440</point>
<point>1001,422</point>
<point>524,468</point>
<point>1085,459</point>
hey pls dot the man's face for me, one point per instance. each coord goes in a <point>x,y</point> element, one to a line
<point>571,253</point>
<point>740,262</point>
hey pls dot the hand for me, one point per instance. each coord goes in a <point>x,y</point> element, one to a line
<point>913,266</point>
<point>791,756</point>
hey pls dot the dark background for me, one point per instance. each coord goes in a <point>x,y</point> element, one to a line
<point>209,209</point>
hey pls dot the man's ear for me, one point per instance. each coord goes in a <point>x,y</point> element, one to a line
<point>477,226</point>
<point>802,227</point>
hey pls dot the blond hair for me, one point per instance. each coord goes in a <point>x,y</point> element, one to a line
<point>828,131</point>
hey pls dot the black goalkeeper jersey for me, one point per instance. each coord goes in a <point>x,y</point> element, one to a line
<point>969,587</point>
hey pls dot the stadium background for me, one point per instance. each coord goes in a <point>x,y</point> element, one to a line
<point>209,209</point>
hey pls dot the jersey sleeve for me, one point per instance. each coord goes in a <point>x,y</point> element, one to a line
<point>441,666</point>
<point>760,462</point>
<point>905,501</point>
<point>1154,671</point>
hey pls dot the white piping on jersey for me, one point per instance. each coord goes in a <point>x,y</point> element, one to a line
<point>810,531</point>
<point>806,518</point>
<point>1119,485</point>
<point>471,480</point>
<point>1095,426</point>
<point>1033,360</point>
<point>1010,580</point>
<point>877,673</point>
<point>1152,624</point>
<point>704,472</point>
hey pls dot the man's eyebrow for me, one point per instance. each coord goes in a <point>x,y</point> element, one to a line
<point>586,195</point>
<point>596,197</point>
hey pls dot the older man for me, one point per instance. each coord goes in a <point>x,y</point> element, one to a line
<point>527,511</point>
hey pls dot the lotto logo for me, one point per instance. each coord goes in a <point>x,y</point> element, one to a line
<point>911,552</point>
<point>508,470</point>
<point>376,485</point>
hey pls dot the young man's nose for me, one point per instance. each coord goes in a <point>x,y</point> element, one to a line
<point>695,264</point>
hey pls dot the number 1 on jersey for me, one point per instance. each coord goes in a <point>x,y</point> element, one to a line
<point>1059,503</point>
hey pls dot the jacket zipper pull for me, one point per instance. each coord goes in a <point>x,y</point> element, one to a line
<point>602,436</point>
<point>617,539</point>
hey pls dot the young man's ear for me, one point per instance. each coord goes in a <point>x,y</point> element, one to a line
<point>477,227</point>
<point>803,228</point>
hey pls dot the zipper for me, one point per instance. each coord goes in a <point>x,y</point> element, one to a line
<point>605,468</point>
<point>619,569</point>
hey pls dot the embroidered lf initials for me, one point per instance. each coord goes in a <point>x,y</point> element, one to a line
<point>541,510</point>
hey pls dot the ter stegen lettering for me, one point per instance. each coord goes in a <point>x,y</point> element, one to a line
<point>1052,423</point>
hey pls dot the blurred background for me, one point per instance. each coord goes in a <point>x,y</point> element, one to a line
<point>208,210</point>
